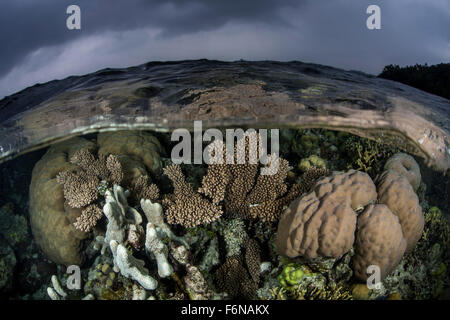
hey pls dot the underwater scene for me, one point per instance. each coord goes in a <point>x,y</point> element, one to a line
<point>115,208</point>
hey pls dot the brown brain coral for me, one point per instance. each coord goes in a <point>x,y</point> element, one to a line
<point>405,165</point>
<point>379,241</point>
<point>356,186</point>
<point>311,227</point>
<point>322,223</point>
<point>396,192</point>
<point>51,221</point>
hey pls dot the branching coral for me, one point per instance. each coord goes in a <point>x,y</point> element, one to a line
<point>52,221</point>
<point>88,218</point>
<point>142,188</point>
<point>81,185</point>
<point>253,259</point>
<point>185,206</point>
<point>80,188</point>
<point>234,188</point>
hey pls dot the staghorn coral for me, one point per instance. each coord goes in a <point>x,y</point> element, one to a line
<point>379,241</point>
<point>406,166</point>
<point>396,192</point>
<point>52,221</point>
<point>322,222</point>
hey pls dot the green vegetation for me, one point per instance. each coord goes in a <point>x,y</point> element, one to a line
<point>434,79</point>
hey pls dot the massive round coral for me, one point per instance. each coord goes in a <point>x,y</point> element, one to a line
<point>52,220</point>
<point>395,191</point>
<point>379,241</point>
<point>405,165</point>
<point>141,146</point>
<point>322,223</point>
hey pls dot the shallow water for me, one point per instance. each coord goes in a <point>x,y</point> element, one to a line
<point>232,243</point>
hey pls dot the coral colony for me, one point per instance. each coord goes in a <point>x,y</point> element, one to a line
<point>326,216</point>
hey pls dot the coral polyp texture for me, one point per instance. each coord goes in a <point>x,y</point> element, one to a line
<point>379,241</point>
<point>324,223</point>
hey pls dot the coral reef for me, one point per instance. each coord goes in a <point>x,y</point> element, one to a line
<point>323,223</point>
<point>13,227</point>
<point>233,278</point>
<point>227,242</point>
<point>68,180</point>
<point>243,192</point>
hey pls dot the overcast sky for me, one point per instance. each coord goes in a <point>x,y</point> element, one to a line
<point>36,45</point>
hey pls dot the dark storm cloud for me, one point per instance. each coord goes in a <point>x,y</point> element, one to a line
<point>36,46</point>
<point>28,25</point>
